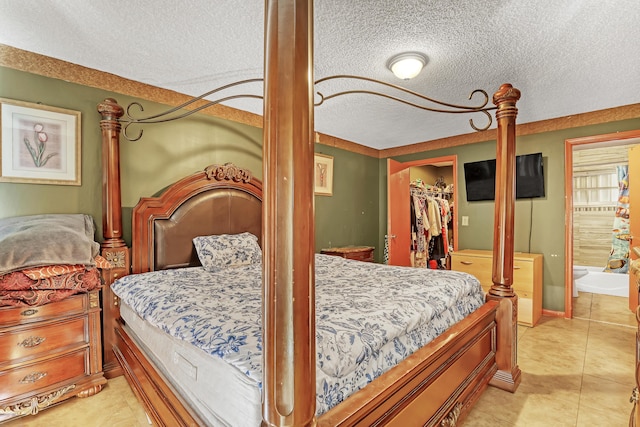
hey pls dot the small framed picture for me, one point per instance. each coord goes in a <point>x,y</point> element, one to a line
<point>323,174</point>
<point>39,144</point>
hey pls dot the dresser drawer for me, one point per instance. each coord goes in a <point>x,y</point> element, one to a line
<point>527,278</point>
<point>23,342</point>
<point>481,268</point>
<point>522,275</point>
<point>32,377</point>
<point>21,315</point>
<point>525,311</point>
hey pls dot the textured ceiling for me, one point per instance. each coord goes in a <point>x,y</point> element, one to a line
<point>567,57</point>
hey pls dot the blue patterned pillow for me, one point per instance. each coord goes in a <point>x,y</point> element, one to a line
<point>227,250</point>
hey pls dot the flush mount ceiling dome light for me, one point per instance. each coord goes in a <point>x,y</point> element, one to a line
<point>407,65</point>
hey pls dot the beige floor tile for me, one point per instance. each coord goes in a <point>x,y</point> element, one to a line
<point>574,326</point>
<point>600,397</point>
<point>561,348</point>
<point>582,305</point>
<point>612,309</point>
<point>480,418</point>
<point>522,409</point>
<point>540,356</point>
<point>611,353</point>
<point>590,417</point>
<point>557,385</point>
<point>522,330</point>
<point>115,405</point>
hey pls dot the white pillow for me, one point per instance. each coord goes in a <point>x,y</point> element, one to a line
<point>227,250</point>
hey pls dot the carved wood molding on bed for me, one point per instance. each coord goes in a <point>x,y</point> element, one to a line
<point>146,215</point>
<point>228,171</point>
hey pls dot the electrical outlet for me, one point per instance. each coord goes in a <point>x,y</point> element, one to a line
<point>465,220</point>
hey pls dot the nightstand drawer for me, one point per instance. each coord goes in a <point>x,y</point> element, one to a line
<point>39,375</point>
<point>358,253</point>
<point>22,315</point>
<point>30,341</point>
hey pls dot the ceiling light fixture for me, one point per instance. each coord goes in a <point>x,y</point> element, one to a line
<point>407,65</point>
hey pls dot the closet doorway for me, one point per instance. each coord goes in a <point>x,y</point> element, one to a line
<point>586,189</point>
<point>399,177</point>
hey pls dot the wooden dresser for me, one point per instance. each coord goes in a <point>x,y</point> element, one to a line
<point>359,253</point>
<point>49,353</point>
<point>527,278</point>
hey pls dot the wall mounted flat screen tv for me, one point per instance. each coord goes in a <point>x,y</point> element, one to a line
<point>480,178</point>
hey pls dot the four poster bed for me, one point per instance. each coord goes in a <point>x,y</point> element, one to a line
<point>273,366</point>
<point>434,385</point>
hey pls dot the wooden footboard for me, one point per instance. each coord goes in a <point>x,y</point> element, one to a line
<point>161,402</point>
<point>441,381</point>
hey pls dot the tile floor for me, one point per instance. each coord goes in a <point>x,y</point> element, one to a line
<point>576,372</point>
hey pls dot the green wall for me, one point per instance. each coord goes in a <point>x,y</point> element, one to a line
<point>168,152</point>
<point>29,199</point>
<point>539,223</point>
<point>350,215</point>
<point>354,215</point>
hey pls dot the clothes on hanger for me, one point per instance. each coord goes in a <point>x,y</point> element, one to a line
<point>430,217</point>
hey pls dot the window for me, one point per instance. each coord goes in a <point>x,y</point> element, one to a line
<point>595,189</point>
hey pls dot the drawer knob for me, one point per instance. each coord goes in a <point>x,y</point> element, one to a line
<point>466,262</point>
<point>515,267</point>
<point>29,312</point>
<point>32,378</point>
<point>31,342</point>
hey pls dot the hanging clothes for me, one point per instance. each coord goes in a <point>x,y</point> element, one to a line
<point>430,217</point>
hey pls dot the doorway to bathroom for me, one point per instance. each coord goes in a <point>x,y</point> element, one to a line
<point>598,217</point>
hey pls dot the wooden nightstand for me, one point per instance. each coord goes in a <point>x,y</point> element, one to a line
<point>359,253</point>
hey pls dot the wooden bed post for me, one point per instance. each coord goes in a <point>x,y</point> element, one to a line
<point>111,198</point>
<point>508,375</point>
<point>289,359</point>
<point>113,247</point>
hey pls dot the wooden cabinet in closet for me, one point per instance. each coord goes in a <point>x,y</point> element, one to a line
<point>527,278</point>
<point>49,353</point>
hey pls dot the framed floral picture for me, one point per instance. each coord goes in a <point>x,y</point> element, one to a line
<point>323,174</point>
<point>39,144</point>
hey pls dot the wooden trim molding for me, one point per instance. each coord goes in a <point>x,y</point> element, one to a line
<point>46,66</point>
<point>608,115</point>
<point>553,313</point>
<point>343,144</point>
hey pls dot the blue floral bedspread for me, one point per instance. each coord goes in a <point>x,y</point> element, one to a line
<point>369,316</point>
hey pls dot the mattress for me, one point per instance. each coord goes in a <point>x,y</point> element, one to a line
<point>198,376</point>
<point>369,317</point>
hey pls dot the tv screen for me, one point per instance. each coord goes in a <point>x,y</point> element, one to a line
<point>529,176</point>
<point>480,178</point>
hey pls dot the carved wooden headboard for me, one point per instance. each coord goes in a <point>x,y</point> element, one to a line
<point>223,199</point>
